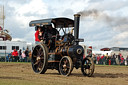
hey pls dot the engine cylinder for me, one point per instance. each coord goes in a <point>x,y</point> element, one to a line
<point>75,51</point>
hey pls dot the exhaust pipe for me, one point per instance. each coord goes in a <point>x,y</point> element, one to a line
<point>76,27</point>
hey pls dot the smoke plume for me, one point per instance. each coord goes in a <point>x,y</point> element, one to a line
<point>117,23</point>
<point>87,13</point>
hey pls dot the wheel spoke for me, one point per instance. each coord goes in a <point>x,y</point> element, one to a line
<point>34,56</point>
<point>38,51</point>
<point>42,54</point>
<point>37,61</point>
<point>38,65</point>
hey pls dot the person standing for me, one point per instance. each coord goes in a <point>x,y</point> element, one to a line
<point>113,59</point>
<point>119,58</point>
<point>37,40</point>
<point>30,55</point>
<point>15,55</point>
<point>102,59</point>
<point>10,57</point>
<point>107,59</point>
<point>7,58</point>
<point>20,53</point>
<point>122,61</point>
<point>50,34</point>
<point>23,56</point>
<point>98,59</point>
<point>26,53</point>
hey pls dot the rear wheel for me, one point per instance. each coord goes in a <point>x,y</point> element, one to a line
<point>87,67</point>
<point>39,59</point>
<point>65,66</point>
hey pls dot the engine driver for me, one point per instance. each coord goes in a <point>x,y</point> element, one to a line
<point>50,35</point>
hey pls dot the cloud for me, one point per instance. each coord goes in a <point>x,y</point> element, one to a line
<point>34,7</point>
<point>121,27</point>
<point>120,39</point>
<point>105,21</point>
<point>107,4</point>
<point>28,11</point>
<point>19,15</point>
<point>68,12</point>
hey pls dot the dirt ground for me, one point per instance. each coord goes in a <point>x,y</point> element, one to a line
<point>22,74</point>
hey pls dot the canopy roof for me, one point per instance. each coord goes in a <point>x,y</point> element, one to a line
<point>58,22</point>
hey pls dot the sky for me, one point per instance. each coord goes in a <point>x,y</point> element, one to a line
<point>103,23</point>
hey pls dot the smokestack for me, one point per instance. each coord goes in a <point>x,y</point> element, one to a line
<point>76,27</point>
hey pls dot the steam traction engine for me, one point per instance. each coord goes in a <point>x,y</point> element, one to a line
<point>61,52</point>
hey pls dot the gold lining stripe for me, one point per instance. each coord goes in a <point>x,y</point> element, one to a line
<point>52,61</point>
<point>44,23</point>
<point>32,24</point>
<point>38,24</point>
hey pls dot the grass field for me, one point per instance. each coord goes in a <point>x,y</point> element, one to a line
<point>22,74</point>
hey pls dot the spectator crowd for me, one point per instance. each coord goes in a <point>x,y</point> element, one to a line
<point>19,56</point>
<point>110,60</point>
<point>25,56</point>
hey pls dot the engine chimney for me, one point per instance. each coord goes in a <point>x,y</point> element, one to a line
<point>76,27</point>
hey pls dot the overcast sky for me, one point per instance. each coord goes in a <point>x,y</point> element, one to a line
<point>104,23</point>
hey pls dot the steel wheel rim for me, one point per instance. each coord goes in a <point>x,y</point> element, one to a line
<point>38,59</point>
<point>87,67</point>
<point>65,66</point>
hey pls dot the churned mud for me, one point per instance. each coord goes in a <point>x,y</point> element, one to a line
<point>22,74</point>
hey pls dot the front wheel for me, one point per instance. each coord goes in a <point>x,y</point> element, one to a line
<point>87,67</point>
<point>65,66</point>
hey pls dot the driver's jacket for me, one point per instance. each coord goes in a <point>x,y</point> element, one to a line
<point>36,36</point>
